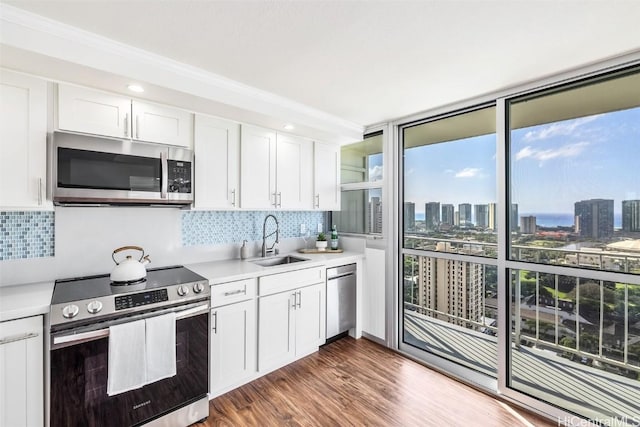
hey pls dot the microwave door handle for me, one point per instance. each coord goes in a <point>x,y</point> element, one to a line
<point>164,169</point>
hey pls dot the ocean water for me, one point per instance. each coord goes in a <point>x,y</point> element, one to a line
<point>551,219</point>
<point>564,219</point>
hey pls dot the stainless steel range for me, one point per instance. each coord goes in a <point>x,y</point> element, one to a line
<point>86,316</point>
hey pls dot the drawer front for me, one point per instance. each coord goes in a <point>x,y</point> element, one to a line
<point>282,282</point>
<point>228,293</point>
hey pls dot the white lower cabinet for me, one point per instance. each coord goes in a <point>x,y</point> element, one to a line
<point>233,345</point>
<point>291,323</point>
<point>233,335</point>
<point>21,372</point>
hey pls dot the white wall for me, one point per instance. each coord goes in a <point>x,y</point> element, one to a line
<point>86,237</point>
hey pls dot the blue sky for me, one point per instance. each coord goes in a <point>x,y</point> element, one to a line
<point>553,165</point>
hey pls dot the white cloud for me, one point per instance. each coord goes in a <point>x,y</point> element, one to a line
<point>375,173</point>
<point>555,129</point>
<point>468,173</point>
<point>569,150</point>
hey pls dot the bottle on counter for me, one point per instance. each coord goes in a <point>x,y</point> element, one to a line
<point>334,238</point>
<point>244,250</point>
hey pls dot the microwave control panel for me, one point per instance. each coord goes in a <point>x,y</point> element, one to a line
<point>178,176</point>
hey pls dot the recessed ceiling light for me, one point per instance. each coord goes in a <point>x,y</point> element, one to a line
<point>289,126</point>
<point>135,88</point>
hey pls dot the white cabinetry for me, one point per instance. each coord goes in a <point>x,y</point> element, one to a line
<point>95,112</point>
<point>276,170</point>
<point>217,170</point>
<point>158,123</point>
<point>233,335</point>
<point>21,373</point>
<point>291,317</point>
<point>326,180</point>
<point>23,141</point>
<point>90,111</point>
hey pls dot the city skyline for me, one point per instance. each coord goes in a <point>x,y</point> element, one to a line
<point>578,159</point>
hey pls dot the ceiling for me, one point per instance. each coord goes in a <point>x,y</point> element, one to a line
<point>364,62</point>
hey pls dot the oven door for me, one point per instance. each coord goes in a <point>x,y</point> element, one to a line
<point>79,371</point>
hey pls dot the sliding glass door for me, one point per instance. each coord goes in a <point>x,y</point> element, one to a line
<point>519,260</point>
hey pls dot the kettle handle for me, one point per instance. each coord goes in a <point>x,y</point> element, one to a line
<point>124,248</point>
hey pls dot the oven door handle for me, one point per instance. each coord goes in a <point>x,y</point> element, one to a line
<point>71,339</point>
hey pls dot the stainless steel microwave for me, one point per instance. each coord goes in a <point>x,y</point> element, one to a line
<point>89,170</point>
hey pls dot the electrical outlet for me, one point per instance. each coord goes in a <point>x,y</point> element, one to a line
<point>303,228</point>
<point>319,227</point>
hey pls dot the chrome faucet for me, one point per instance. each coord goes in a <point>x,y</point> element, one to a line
<point>272,249</point>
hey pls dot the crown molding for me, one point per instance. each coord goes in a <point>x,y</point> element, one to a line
<point>44,36</point>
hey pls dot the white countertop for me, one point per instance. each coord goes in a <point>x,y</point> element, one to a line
<point>30,299</point>
<point>234,269</point>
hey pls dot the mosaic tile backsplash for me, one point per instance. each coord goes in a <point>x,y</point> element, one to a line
<point>29,234</point>
<point>217,227</point>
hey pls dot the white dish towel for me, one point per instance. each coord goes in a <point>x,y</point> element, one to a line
<point>161,347</point>
<point>127,357</point>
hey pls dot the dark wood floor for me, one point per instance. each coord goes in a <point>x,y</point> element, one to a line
<point>356,383</point>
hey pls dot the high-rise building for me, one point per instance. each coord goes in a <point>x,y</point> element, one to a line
<point>464,212</point>
<point>594,218</point>
<point>447,214</point>
<point>481,215</point>
<point>375,215</point>
<point>432,215</point>
<point>513,220</point>
<point>451,287</point>
<point>528,224</point>
<point>492,216</point>
<point>631,215</point>
<point>409,216</point>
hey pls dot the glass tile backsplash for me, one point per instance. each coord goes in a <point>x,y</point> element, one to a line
<point>26,234</point>
<point>218,227</point>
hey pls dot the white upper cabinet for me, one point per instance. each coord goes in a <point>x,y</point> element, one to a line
<point>99,113</point>
<point>23,141</point>
<point>90,111</point>
<point>276,170</point>
<point>293,172</point>
<point>326,180</point>
<point>157,123</point>
<point>217,169</point>
<point>257,168</point>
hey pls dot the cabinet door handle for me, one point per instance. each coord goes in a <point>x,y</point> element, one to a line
<point>39,191</point>
<point>236,292</point>
<point>295,300</point>
<point>126,124</point>
<point>233,197</point>
<point>18,338</point>
<point>318,200</point>
<point>279,205</point>
<point>299,298</point>
<point>214,316</point>
<point>275,200</point>
<point>137,126</point>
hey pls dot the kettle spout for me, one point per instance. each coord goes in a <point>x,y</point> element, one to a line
<point>146,260</point>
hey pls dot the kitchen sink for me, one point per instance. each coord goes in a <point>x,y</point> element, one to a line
<point>270,262</point>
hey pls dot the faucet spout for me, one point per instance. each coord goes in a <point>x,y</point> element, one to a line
<point>271,249</point>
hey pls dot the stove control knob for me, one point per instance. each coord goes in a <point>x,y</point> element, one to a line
<point>183,290</point>
<point>70,311</point>
<point>94,306</point>
<point>198,287</point>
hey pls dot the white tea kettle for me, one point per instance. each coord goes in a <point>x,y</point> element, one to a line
<point>129,270</point>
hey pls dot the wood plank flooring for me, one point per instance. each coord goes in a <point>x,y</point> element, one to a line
<point>360,383</point>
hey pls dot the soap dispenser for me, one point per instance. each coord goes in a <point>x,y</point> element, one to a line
<point>244,250</point>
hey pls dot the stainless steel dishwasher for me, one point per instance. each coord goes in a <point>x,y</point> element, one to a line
<point>341,299</point>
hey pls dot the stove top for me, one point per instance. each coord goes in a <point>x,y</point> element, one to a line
<point>94,297</point>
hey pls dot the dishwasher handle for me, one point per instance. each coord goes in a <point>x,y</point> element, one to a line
<point>343,270</point>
